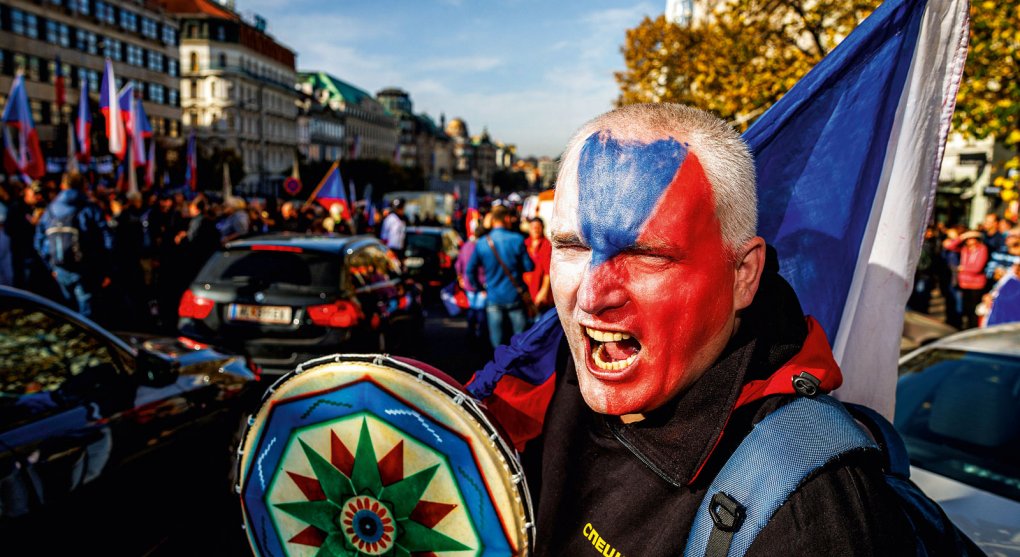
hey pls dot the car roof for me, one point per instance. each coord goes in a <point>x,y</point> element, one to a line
<point>325,243</point>
<point>428,229</point>
<point>999,339</point>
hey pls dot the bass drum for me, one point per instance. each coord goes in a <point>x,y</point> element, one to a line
<point>372,455</point>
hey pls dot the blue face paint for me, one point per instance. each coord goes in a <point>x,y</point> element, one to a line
<point>619,184</point>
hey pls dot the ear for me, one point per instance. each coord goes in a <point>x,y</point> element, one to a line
<point>750,261</point>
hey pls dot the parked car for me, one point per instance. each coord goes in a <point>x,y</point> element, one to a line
<point>77,402</point>
<point>920,329</point>
<point>958,409</point>
<point>429,255</point>
<point>287,298</point>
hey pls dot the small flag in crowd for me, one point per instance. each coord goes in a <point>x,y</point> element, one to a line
<point>150,166</point>
<point>109,105</point>
<point>83,125</point>
<point>330,191</point>
<point>22,154</point>
<point>352,196</point>
<point>471,220</point>
<point>191,164</point>
<point>60,94</point>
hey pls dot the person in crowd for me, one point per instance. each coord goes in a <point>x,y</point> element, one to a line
<point>236,222</point>
<point>73,240</point>
<point>991,236</point>
<point>128,292</point>
<point>475,313</point>
<point>24,208</point>
<point>335,221</point>
<point>290,220</point>
<point>970,275</point>
<point>6,260</point>
<point>540,251</point>
<point>200,241</point>
<point>394,227</point>
<point>503,257</point>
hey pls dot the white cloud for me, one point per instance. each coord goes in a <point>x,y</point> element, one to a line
<point>460,64</point>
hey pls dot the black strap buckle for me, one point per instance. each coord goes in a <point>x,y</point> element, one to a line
<point>806,384</point>
<point>732,515</point>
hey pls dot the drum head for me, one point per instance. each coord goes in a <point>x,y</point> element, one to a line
<point>367,455</point>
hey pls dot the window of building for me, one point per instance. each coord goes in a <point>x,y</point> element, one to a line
<point>150,29</point>
<point>24,23</point>
<point>37,110</point>
<point>157,93</point>
<point>105,13</point>
<point>173,98</point>
<point>92,76</point>
<point>135,55</point>
<point>51,71</point>
<point>169,35</point>
<point>111,49</point>
<point>128,20</point>
<point>155,61</point>
<point>32,70</point>
<point>81,6</point>
<point>194,62</point>
<point>172,68</point>
<point>86,41</point>
<point>58,33</point>
<point>175,128</point>
<point>223,60</point>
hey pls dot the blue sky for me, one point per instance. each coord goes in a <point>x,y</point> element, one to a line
<point>531,71</point>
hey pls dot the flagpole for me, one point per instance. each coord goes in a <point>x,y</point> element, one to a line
<point>132,175</point>
<point>322,182</point>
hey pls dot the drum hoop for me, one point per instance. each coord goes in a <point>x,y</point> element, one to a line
<point>461,399</point>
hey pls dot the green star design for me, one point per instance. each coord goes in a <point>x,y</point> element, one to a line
<point>399,500</point>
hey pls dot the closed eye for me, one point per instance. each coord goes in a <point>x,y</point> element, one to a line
<point>568,242</point>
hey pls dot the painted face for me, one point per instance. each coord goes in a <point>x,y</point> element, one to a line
<point>642,281</point>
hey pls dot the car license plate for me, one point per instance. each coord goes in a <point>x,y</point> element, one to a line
<point>414,261</point>
<point>260,314</point>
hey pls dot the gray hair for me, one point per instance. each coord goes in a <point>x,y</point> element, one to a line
<point>724,156</point>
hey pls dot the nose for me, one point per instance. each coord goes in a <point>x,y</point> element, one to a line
<point>601,288</point>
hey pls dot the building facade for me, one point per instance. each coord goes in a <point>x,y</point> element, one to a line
<point>138,36</point>
<point>370,131</point>
<point>237,86</point>
<point>320,131</point>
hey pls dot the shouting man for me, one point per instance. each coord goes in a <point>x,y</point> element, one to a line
<point>682,337</point>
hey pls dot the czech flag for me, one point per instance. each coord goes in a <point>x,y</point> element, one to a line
<point>847,163</point>
<point>22,154</point>
<point>59,91</point>
<point>191,164</point>
<point>83,125</point>
<point>137,123</point>
<point>109,105</point>
<point>330,191</point>
<point>150,166</point>
<point>471,220</point>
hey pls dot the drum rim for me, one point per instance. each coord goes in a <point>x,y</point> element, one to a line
<point>474,407</point>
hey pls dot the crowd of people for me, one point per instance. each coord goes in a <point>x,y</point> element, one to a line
<point>125,259</point>
<point>969,269</point>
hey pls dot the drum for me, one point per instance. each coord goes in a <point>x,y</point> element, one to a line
<point>371,455</point>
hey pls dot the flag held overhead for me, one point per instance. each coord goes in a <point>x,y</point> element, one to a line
<point>22,154</point>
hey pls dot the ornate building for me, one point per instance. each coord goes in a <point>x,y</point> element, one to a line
<point>370,131</point>
<point>139,37</point>
<point>237,86</point>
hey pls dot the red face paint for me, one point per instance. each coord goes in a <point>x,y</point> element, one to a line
<point>671,292</point>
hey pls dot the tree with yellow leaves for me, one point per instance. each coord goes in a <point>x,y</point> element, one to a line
<point>739,59</point>
<point>988,103</point>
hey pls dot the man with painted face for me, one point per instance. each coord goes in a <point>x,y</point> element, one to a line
<point>682,335</point>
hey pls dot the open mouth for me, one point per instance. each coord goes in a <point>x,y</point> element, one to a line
<point>612,350</point>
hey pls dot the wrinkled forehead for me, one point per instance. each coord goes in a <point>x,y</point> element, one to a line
<point>620,188</point>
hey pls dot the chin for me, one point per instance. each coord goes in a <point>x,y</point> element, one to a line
<point>614,399</point>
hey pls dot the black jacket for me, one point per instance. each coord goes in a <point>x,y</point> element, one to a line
<point>603,487</point>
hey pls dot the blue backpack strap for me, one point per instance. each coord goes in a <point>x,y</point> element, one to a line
<point>768,466</point>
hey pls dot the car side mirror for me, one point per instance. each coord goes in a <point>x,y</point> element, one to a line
<point>155,370</point>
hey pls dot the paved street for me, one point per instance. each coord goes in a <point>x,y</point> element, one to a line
<point>184,507</point>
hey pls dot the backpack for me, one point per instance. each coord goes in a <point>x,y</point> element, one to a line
<point>63,240</point>
<point>785,448</point>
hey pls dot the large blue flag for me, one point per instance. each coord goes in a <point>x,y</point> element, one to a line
<point>848,162</point>
<point>847,165</point>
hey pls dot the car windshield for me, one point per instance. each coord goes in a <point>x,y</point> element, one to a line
<point>273,269</point>
<point>959,413</point>
<point>425,242</point>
